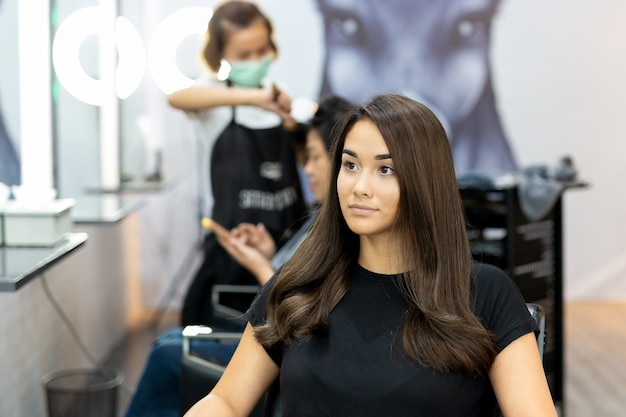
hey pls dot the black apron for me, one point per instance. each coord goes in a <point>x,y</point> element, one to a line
<point>254,179</point>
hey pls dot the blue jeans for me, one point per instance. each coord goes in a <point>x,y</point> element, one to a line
<point>157,393</point>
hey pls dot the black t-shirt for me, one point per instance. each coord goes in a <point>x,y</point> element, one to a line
<point>358,368</point>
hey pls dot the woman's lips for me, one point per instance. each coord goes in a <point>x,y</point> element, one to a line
<point>361,209</point>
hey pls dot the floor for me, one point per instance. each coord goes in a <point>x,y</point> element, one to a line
<point>130,356</point>
<point>595,358</point>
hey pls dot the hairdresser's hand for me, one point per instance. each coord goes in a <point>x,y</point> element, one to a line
<point>284,102</point>
<point>274,99</point>
<point>249,257</point>
<point>257,237</point>
<point>282,99</point>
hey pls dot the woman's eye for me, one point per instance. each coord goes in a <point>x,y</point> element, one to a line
<point>386,170</point>
<point>349,165</point>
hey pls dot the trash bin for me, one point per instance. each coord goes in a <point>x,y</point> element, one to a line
<point>82,392</point>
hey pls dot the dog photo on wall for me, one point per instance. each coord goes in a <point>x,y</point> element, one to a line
<point>434,52</point>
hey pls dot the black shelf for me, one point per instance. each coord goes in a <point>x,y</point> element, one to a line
<point>531,252</point>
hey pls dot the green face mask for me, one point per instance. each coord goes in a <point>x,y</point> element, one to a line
<point>249,73</point>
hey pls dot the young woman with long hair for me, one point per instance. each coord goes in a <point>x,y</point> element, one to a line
<point>381,311</point>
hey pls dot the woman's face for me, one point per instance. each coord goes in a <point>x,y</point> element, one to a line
<point>367,185</point>
<point>248,44</point>
<point>317,165</point>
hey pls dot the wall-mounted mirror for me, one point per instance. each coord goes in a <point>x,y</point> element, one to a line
<point>78,95</point>
<point>166,38</point>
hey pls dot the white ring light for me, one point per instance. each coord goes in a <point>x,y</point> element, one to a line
<point>168,35</point>
<point>65,55</point>
<point>68,39</point>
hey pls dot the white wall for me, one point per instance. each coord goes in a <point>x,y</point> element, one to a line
<point>170,246</point>
<point>559,69</point>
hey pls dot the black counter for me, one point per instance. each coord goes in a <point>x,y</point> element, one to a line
<point>19,265</point>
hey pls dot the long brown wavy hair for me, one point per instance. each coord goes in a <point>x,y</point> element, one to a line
<point>439,329</point>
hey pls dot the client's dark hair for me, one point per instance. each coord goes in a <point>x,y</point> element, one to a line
<point>330,110</point>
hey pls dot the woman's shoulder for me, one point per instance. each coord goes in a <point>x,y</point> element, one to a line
<point>499,304</point>
<point>492,289</point>
<point>487,277</point>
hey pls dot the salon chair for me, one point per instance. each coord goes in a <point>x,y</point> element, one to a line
<point>539,315</point>
<point>199,375</point>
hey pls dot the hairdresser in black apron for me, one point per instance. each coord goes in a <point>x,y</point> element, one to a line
<point>251,160</point>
